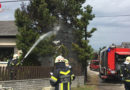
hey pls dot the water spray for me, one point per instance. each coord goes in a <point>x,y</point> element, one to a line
<point>54,32</point>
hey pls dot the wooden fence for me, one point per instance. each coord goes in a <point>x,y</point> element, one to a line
<point>29,72</point>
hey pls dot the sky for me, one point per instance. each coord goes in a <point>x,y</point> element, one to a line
<point>110,30</point>
<point>111,21</point>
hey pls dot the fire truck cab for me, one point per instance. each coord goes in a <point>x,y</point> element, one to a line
<point>111,59</point>
<point>94,65</point>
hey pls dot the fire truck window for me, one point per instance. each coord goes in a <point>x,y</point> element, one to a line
<point>119,61</point>
<point>102,58</point>
<point>120,58</point>
<point>105,58</point>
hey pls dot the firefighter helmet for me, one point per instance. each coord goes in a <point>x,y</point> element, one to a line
<point>20,53</point>
<point>127,59</point>
<point>59,59</point>
<point>15,56</point>
<point>66,62</point>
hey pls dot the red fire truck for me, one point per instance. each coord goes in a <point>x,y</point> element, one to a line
<point>111,59</point>
<point>94,65</point>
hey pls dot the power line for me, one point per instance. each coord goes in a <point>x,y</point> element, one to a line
<point>95,15</point>
<point>115,16</point>
<point>13,1</point>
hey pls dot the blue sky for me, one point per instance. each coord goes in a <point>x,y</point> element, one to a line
<point>109,29</point>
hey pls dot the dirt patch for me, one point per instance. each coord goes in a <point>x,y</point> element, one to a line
<point>93,79</point>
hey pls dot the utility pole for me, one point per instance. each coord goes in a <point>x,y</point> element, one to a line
<point>85,78</point>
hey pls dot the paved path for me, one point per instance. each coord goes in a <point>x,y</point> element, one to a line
<point>101,85</point>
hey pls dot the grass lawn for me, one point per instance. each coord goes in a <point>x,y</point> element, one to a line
<point>88,87</point>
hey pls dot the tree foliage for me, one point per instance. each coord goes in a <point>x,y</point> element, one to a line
<point>32,21</point>
<point>40,15</point>
<point>62,50</point>
<point>84,50</point>
<point>85,53</point>
<point>82,35</point>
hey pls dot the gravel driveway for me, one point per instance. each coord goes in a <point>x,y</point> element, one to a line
<point>101,85</point>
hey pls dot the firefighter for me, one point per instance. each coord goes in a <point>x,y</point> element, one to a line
<point>61,77</point>
<point>70,67</point>
<point>125,70</point>
<point>12,64</point>
<point>67,63</point>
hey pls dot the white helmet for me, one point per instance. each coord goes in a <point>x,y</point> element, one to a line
<point>59,59</point>
<point>66,62</point>
<point>15,56</point>
<point>127,61</point>
<point>20,53</point>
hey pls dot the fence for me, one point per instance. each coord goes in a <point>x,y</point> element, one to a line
<point>29,72</point>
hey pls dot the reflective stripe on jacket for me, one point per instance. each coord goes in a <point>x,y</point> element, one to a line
<point>61,78</point>
<point>127,80</point>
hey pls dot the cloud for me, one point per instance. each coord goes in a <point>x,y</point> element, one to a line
<point>111,21</point>
<point>109,6</point>
<point>110,29</point>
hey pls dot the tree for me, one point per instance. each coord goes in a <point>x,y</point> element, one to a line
<point>81,46</point>
<point>40,15</point>
<point>61,50</point>
<point>69,11</point>
<point>33,21</point>
<point>85,53</point>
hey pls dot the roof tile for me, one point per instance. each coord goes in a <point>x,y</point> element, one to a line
<point>8,28</point>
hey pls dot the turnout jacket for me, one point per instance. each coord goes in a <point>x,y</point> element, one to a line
<point>13,62</point>
<point>125,70</point>
<point>61,77</point>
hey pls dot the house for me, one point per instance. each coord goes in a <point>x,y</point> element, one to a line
<point>8,31</point>
<point>125,44</point>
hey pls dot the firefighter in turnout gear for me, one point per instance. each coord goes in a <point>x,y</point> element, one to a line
<point>125,70</point>
<point>67,63</point>
<point>11,65</point>
<point>62,75</point>
<point>70,67</point>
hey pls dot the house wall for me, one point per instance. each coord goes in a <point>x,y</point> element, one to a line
<point>8,42</point>
<point>3,64</point>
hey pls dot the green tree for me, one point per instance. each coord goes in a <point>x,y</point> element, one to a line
<point>40,15</point>
<point>83,34</point>
<point>71,12</point>
<point>33,21</point>
<point>62,50</point>
<point>84,53</point>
